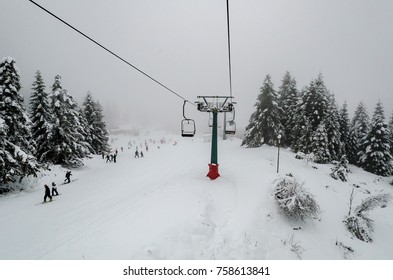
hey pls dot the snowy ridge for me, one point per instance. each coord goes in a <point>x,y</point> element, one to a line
<point>163,207</point>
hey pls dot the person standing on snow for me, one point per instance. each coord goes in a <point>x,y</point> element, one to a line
<point>114,158</point>
<point>68,177</point>
<point>141,154</point>
<point>54,189</point>
<point>47,193</point>
<point>136,154</point>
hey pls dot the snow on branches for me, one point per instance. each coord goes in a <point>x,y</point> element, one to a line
<point>358,222</point>
<point>341,170</point>
<point>294,200</point>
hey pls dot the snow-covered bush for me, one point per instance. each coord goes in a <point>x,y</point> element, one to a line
<point>358,223</point>
<point>341,170</point>
<point>300,155</point>
<point>294,200</point>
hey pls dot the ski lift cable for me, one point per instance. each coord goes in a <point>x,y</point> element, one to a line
<point>111,52</point>
<point>229,52</point>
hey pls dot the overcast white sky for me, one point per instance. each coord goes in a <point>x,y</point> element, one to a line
<point>183,44</point>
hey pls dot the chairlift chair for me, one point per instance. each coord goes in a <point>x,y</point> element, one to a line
<point>188,128</point>
<point>230,127</point>
<point>187,125</point>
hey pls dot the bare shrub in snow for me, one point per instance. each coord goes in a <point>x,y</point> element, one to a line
<point>294,200</point>
<point>347,249</point>
<point>295,247</point>
<point>358,223</point>
<point>341,170</point>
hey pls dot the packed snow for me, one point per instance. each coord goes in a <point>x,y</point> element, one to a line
<point>163,206</point>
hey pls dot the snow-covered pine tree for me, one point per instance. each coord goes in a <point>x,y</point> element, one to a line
<point>267,118</point>
<point>359,129</point>
<point>390,126</point>
<point>17,144</point>
<point>353,146</point>
<point>82,147</point>
<point>332,125</point>
<point>288,101</point>
<point>315,102</point>
<point>63,139</point>
<point>95,119</point>
<point>302,132</point>
<point>376,156</point>
<point>40,116</point>
<point>344,128</point>
<point>320,145</point>
<point>253,134</point>
<point>84,130</point>
<point>341,169</point>
<point>6,159</point>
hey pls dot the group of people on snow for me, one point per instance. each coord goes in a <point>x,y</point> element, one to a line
<point>111,157</point>
<point>137,154</point>
<point>48,193</point>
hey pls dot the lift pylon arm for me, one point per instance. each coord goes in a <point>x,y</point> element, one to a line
<point>215,106</point>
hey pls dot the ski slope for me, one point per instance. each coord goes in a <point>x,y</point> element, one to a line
<point>163,207</point>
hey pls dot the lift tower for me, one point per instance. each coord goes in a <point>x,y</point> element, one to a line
<point>214,105</point>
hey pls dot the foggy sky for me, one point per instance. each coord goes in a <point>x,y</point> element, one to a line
<point>183,44</point>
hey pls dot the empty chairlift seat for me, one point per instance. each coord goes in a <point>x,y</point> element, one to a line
<point>188,128</point>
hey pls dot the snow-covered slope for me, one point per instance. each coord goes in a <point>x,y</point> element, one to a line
<point>163,207</point>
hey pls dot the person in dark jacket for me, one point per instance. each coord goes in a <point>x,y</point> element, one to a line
<point>47,193</point>
<point>54,189</point>
<point>68,177</point>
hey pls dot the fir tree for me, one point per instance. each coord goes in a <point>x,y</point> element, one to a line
<point>376,156</point>
<point>302,132</point>
<point>81,144</point>
<point>344,128</point>
<point>320,146</point>
<point>64,141</point>
<point>332,124</point>
<point>267,118</point>
<point>353,146</point>
<point>40,117</point>
<point>315,102</point>
<point>288,101</point>
<point>17,143</point>
<point>390,126</point>
<point>96,125</point>
<point>85,131</point>
<point>253,134</point>
<point>359,130</point>
<point>341,169</point>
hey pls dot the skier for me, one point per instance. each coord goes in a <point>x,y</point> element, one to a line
<point>54,189</point>
<point>114,158</point>
<point>108,158</point>
<point>141,154</point>
<point>47,193</point>
<point>68,175</point>
<point>136,154</point>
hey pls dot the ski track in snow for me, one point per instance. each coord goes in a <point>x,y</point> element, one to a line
<point>163,207</point>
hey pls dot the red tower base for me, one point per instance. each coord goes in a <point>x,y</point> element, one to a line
<point>213,171</point>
